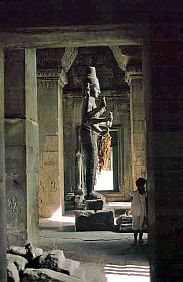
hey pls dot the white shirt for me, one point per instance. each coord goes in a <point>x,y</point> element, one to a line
<point>138,206</point>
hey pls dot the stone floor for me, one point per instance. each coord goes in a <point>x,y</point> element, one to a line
<point>105,256</point>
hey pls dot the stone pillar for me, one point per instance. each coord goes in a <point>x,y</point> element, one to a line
<point>61,83</point>
<point>51,178</point>
<point>2,176</point>
<point>49,187</point>
<point>21,146</point>
<point>137,117</point>
<point>163,60</point>
<point>50,90</point>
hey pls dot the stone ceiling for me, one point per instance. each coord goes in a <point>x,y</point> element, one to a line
<point>110,76</point>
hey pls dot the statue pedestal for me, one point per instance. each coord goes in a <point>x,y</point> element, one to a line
<point>91,221</point>
<point>94,204</point>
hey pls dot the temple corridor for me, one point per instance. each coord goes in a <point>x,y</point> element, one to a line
<point>45,49</point>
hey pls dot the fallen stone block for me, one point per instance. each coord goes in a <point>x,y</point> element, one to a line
<point>20,262</point>
<point>69,266</point>
<point>21,251</point>
<point>16,250</point>
<point>52,260</point>
<point>55,260</point>
<point>12,272</point>
<point>46,275</point>
<point>80,274</point>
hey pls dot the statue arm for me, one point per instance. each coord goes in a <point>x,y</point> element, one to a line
<point>104,122</point>
<point>97,110</point>
<point>98,120</point>
<point>98,130</point>
<point>108,120</point>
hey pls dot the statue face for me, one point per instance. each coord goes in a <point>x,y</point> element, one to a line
<point>95,90</point>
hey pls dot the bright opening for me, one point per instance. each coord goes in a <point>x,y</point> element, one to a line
<point>104,178</point>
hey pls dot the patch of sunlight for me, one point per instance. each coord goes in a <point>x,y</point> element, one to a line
<point>127,273</point>
<point>126,205</point>
<point>57,216</point>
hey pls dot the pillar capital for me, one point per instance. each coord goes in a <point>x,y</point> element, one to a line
<point>133,73</point>
<point>48,75</point>
<point>120,58</point>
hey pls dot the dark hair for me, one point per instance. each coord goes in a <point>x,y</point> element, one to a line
<point>141,181</point>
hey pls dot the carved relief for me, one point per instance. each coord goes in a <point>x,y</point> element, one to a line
<point>53,187</point>
<point>13,207</point>
<point>47,75</point>
<point>47,83</point>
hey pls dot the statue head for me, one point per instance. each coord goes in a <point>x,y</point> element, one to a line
<point>92,81</point>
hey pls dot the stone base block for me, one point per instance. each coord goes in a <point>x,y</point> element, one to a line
<point>90,221</point>
<point>94,204</point>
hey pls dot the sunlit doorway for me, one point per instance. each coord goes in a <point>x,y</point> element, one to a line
<point>107,179</point>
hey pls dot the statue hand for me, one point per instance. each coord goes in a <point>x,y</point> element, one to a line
<point>110,119</point>
<point>104,131</point>
<point>87,89</point>
<point>103,103</point>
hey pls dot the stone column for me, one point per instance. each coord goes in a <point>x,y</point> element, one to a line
<point>21,146</point>
<point>49,187</point>
<point>163,60</point>
<point>137,117</point>
<point>61,83</point>
<point>50,89</point>
<point>2,176</point>
<point>51,178</point>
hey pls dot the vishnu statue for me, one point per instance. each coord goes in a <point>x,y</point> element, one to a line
<point>93,125</point>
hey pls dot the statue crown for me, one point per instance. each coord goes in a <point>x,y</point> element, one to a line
<point>91,75</point>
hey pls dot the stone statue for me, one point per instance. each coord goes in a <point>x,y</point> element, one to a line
<point>92,125</point>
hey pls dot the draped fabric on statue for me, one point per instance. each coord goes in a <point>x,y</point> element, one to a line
<point>104,151</point>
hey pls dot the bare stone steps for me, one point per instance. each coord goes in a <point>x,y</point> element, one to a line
<point>126,228</point>
<point>124,224</point>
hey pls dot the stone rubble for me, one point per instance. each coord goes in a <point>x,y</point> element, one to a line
<point>33,264</point>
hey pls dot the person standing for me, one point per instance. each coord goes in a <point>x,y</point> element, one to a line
<point>138,209</point>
